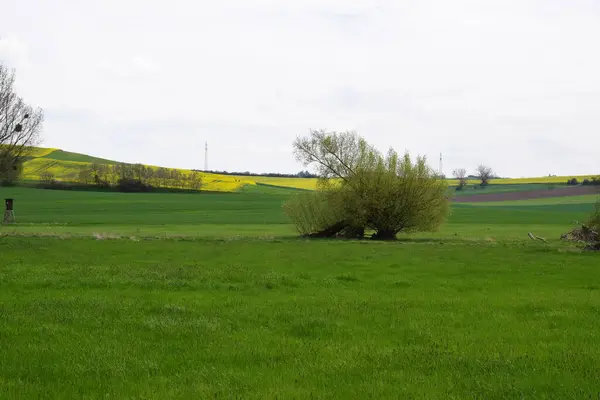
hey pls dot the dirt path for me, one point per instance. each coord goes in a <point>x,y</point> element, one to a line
<point>528,195</point>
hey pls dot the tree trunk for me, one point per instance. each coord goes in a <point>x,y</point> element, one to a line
<point>352,232</point>
<point>330,231</point>
<point>384,235</point>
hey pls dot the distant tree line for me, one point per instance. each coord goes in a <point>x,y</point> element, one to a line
<point>130,178</point>
<point>301,174</point>
<point>595,181</point>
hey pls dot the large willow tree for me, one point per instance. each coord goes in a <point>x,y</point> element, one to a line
<point>362,190</point>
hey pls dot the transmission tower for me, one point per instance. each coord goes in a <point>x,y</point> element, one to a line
<point>206,156</point>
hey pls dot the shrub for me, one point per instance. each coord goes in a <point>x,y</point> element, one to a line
<point>386,194</point>
<point>588,233</point>
<point>47,177</point>
<point>572,182</point>
<point>132,185</point>
<point>312,212</point>
<point>594,220</point>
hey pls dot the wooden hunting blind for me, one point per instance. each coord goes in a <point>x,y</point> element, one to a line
<point>9,213</point>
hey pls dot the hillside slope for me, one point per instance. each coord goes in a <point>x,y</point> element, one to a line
<point>65,165</point>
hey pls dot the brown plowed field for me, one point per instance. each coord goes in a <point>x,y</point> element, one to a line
<point>527,195</point>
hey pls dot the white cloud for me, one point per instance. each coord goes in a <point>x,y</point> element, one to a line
<point>512,83</point>
<point>13,52</point>
<point>135,66</point>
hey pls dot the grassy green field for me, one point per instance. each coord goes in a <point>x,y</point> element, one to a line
<point>255,212</point>
<point>213,295</point>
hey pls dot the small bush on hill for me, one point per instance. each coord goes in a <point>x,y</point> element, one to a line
<point>47,177</point>
<point>573,182</point>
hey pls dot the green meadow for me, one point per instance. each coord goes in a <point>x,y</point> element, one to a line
<point>213,295</point>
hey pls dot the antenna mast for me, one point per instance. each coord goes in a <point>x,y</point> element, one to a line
<point>206,156</point>
<point>441,173</point>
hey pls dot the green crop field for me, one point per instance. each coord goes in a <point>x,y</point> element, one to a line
<point>584,200</point>
<point>213,295</point>
<point>501,188</point>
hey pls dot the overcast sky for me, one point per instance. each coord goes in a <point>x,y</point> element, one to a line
<point>510,83</point>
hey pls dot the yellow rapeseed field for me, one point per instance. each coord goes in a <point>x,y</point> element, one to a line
<point>311,183</point>
<point>68,170</point>
<point>298,183</point>
<point>62,170</point>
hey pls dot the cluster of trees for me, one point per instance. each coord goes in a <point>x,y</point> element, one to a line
<point>484,173</point>
<point>20,128</point>
<point>594,181</point>
<point>301,174</point>
<point>132,177</point>
<point>361,190</point>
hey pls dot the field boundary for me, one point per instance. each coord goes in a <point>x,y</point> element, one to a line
<point>284,187</point>
<point>527,195</point>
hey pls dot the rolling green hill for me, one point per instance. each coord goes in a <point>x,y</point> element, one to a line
<point>62,155</point>
<point>64,165</point>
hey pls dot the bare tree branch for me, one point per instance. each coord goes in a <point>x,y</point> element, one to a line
<point>484,173</point>
<point>461,175</point>
<point>20,127</point>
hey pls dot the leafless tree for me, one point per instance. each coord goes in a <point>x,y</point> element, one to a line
<point>20,128</point>
<point>461,175</point>
<point>484,173</point>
